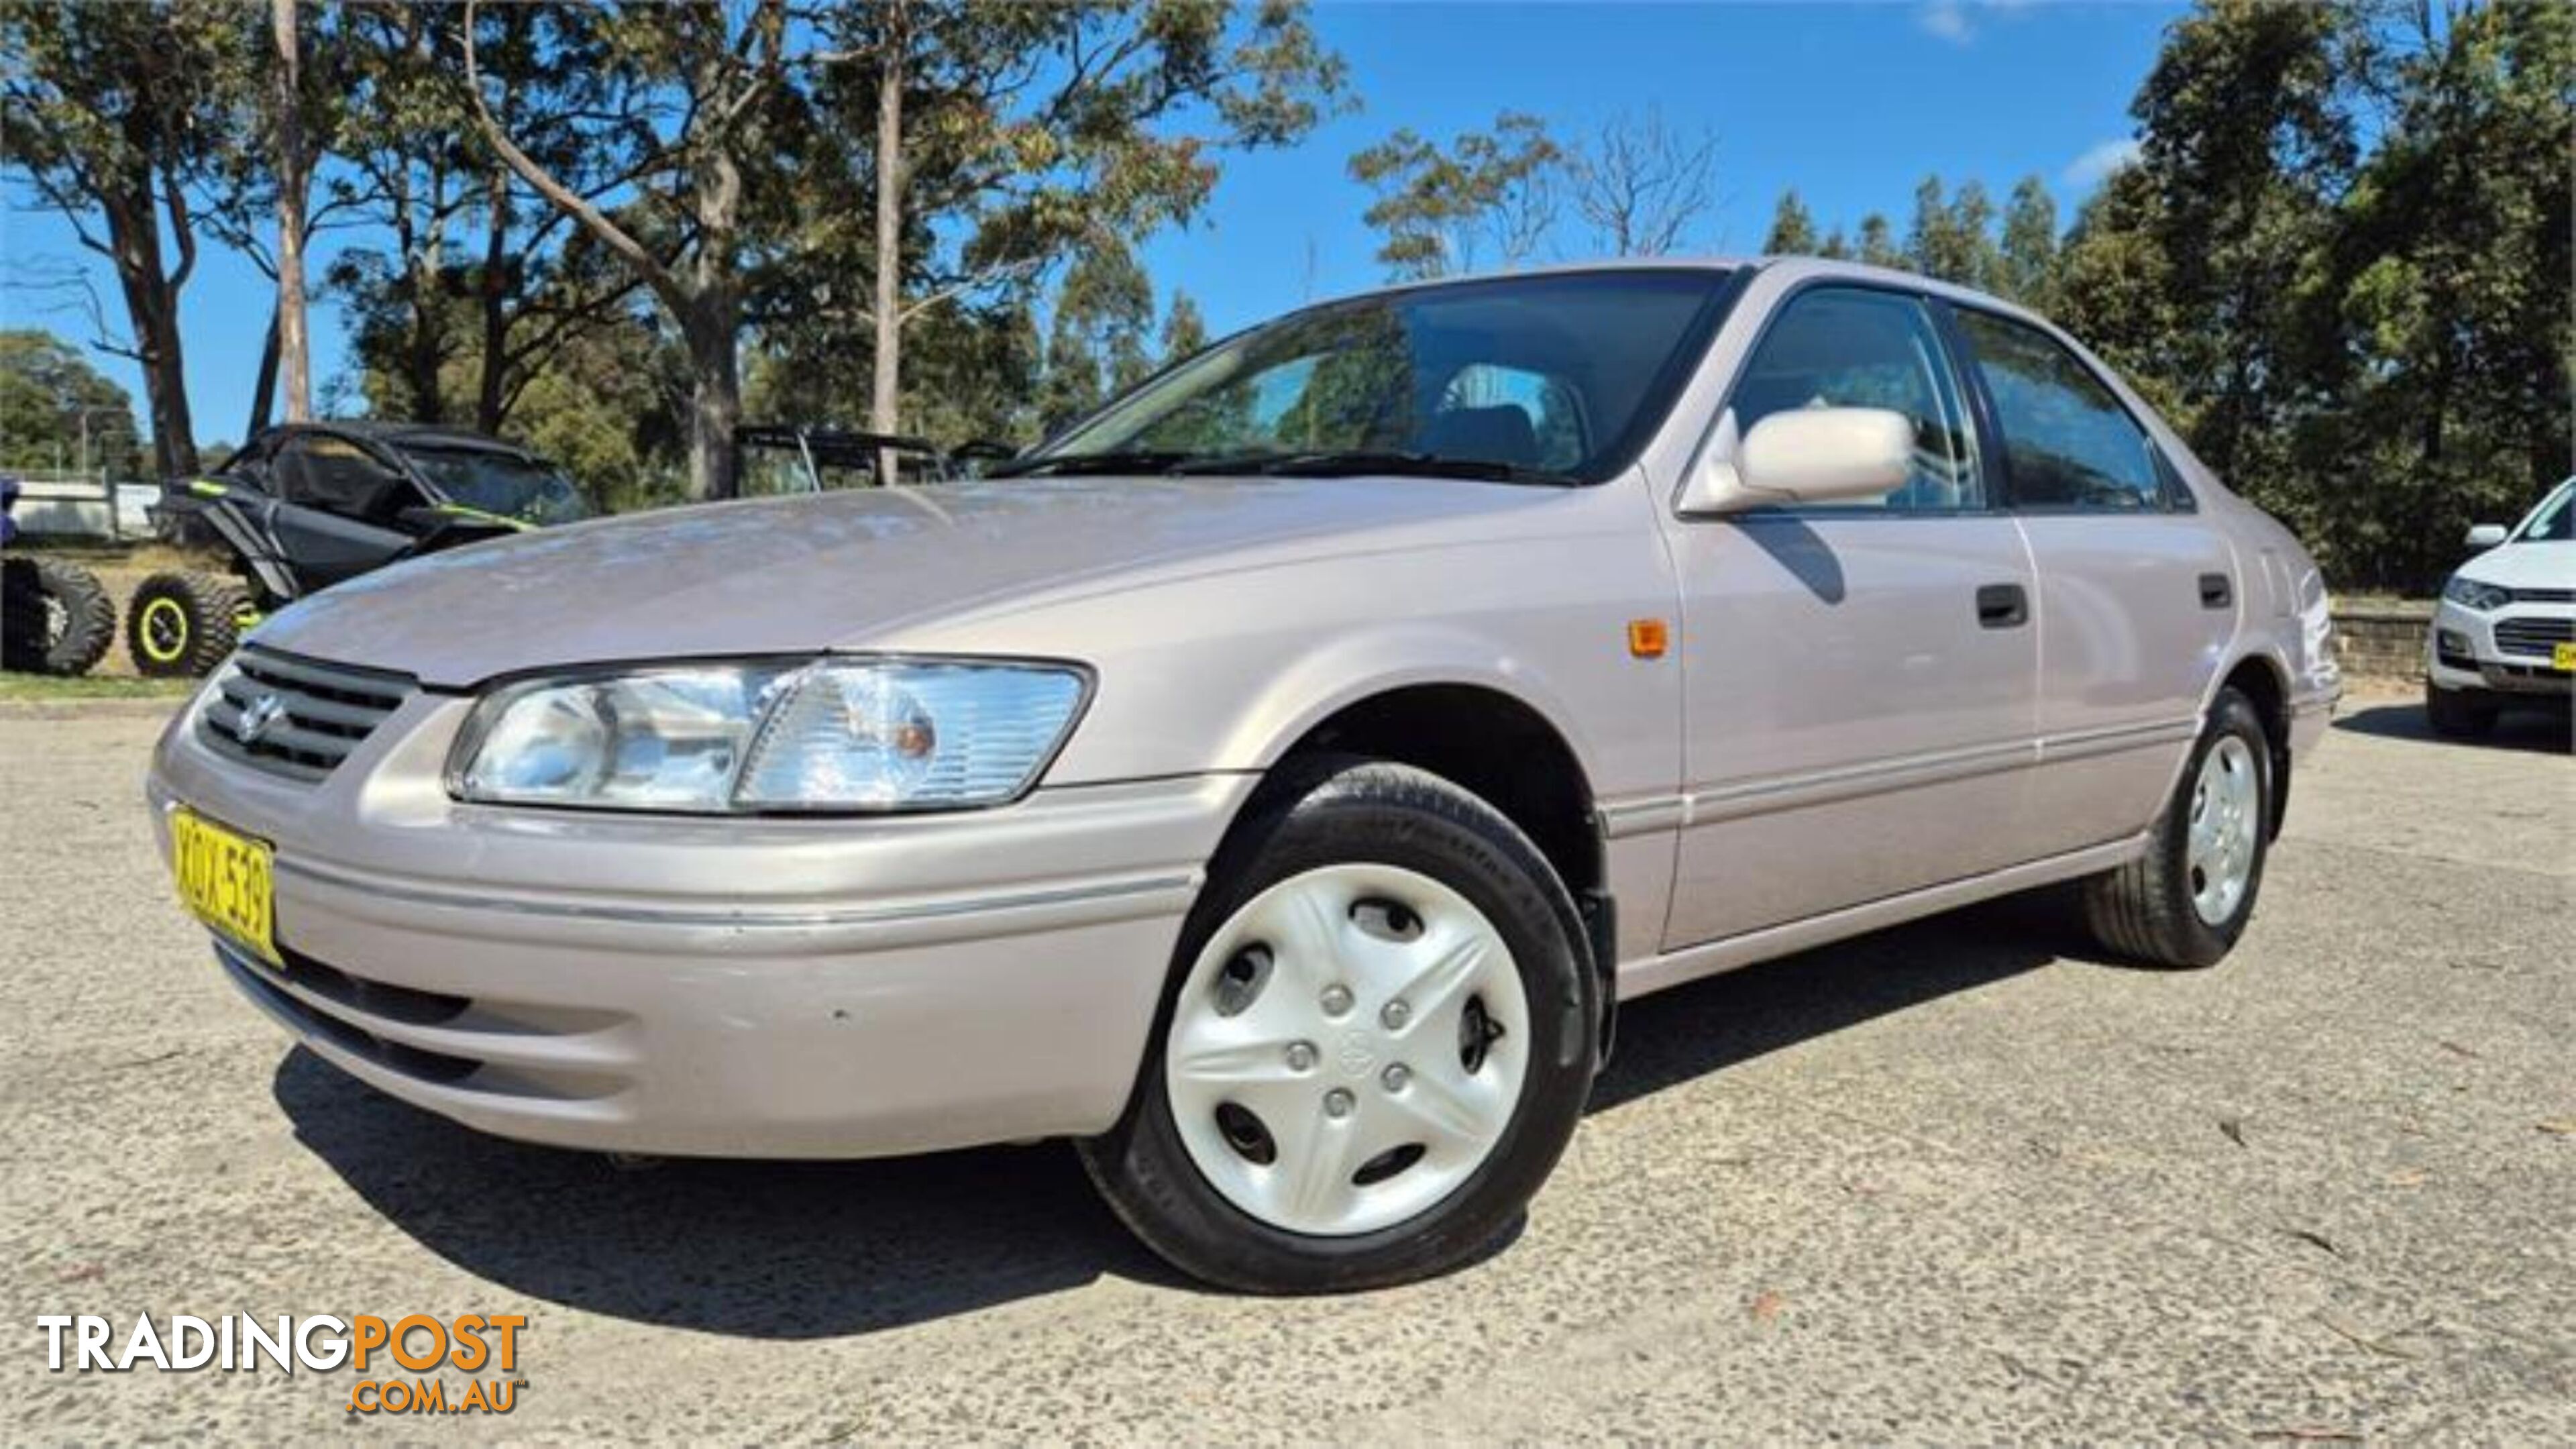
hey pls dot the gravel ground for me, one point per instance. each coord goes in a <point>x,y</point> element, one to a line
<point>1954,1182</point>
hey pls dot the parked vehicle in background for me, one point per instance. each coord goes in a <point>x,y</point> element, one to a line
<point>308,505</point>
<point>775,458</point>
<point>55,616</point>
<point>2504,633</point>
<point>1280,782</point>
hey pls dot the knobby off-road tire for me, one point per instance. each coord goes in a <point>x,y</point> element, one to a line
<point>1354,855</point>
<point>181,625</point>
<point>2171,906</point>
<point>58,617</point>
<point>2458,714</point>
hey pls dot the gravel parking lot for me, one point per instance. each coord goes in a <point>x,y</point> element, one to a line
<point>1958,1181</point>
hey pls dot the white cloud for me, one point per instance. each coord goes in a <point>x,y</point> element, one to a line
<point>1947,19</point>
<point>2099,160</point>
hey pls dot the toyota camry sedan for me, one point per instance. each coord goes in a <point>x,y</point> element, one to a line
<point>1275,783</point>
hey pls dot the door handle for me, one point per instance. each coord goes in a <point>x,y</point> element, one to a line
<point>2216,592</point>
<point>2002,606</point>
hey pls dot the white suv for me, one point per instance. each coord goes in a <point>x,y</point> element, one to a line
<point>2505,631</point>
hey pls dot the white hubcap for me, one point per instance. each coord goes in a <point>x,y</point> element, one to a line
<point>1347,1049</point>
<point>2226,810</point>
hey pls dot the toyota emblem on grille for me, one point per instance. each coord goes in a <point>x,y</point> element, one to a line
<point>255,719</point>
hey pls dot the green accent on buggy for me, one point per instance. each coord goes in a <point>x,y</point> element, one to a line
<point>247,617</point>
<point>206,488</point>
<point>479,515</point>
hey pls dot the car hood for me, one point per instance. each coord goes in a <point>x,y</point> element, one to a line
<point>832,570</point>
<point>2538,565</point>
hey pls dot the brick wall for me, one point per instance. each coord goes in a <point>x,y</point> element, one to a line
<point>2382,641</point>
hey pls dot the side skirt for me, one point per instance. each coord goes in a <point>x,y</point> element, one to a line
<point>1654,973</point>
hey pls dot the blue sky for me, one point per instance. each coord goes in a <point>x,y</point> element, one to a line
<point>1850,103</point>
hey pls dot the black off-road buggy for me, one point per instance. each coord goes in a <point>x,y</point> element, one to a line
<point>307,505</point>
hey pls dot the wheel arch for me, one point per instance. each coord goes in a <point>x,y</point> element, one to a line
<point>2264,679</point>
<point>1500,746</point>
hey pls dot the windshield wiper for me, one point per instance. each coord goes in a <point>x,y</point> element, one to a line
<point>1346,462</point>
<point>1143,461</point>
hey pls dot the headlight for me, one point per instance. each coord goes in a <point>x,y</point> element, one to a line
<point>2475,595</point>
<point>829,735</point>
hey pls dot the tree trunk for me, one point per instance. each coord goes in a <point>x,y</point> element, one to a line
<point>263,392</point>
<point>715,398</point>
<point>885,396</point>
<point>490,394</point>
<point>152,310</point>
<point>293,349</point>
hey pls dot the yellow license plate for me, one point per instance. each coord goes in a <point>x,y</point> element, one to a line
<point>2563,656</point>
<point>225,878</point>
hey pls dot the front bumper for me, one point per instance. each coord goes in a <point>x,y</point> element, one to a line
<point>723,987</point>
<point>2506,651</point>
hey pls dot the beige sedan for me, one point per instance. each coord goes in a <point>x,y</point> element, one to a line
<point>1276,782</point>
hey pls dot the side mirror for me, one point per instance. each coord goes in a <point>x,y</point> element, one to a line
<point>1803,455</point>
<point>2485,535</point>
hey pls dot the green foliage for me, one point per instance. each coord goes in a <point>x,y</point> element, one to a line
<point>2340,264</point>
<point>1439,209</point>
<point>58,413</point>
<point>1184,330</point>
<point>1096,345</point>
<point>1793,229</point>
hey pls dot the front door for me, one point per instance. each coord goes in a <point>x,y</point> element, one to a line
<point>1860,680</point>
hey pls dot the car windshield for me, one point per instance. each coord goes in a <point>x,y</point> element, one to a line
<point>2554,521</point>
<point>512,485</point>
<point>1546,378</point>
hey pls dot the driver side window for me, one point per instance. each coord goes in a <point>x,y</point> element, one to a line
<point>1859,347</point>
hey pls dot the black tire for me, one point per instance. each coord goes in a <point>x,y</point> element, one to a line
<point>60,619</point>
<point>181,625</point>
<point>2144,910</point>
<point>2459,714</point>
<point>1355,811</point>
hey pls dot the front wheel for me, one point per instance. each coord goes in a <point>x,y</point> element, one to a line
<point>2187,898</point>
<point>181,625</point>
<point>1378,1040</point>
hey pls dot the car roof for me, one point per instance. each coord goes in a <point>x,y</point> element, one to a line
<point>401,434</point>
<point>1800,268</point>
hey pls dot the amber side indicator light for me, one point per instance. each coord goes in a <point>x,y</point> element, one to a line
<point>1648,638</point>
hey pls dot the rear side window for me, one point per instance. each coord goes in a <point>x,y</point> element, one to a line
<point>1850,347</point>
<point>2067,441</point>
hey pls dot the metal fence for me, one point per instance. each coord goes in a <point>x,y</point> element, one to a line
<point>82,506</point>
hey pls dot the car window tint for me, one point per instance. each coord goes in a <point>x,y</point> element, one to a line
<point>2067,442</point>
<point>1852,347</point>
<point>338,477</point>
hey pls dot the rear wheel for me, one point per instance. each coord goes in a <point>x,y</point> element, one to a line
<point>2459,714</point>
<point>1378,1041</point>
<point>2185,901</point>
<point>184,624</point>
<point>59,617</point>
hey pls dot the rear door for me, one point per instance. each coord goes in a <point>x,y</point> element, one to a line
<point>1860,679</point>
<point>2138,595</point>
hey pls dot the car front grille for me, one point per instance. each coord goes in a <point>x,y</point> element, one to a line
<point>296,717</point>
<point>2544,596</point>
<point>2533,636</point>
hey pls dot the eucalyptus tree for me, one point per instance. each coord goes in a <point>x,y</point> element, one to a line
<point>116,116</point>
